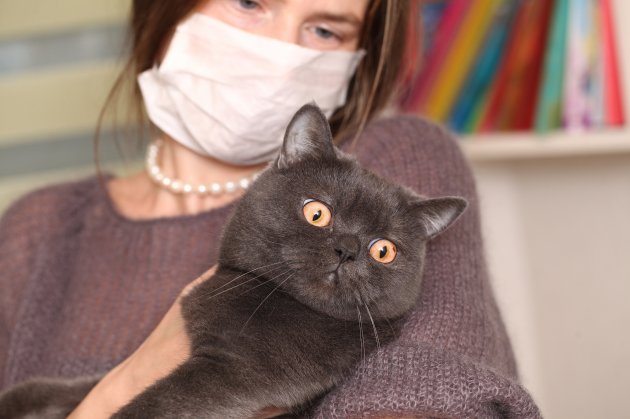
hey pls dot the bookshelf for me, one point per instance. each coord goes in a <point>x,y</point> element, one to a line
<point>511,146</point>
<point>525,145</point>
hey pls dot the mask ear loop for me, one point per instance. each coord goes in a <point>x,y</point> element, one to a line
<point>379,70</point>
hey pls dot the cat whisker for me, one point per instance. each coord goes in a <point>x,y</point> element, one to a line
<point>240,276</point>
<point>361,334</point>
<point>381,314</point>
<point>267,281</point>
<point>378,342</point>
<point>242,283</point>
<point>263,301</point>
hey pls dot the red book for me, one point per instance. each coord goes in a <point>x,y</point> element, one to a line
<point>612,84</point>
<point>412,57</point>
<point>533,59</point>
<point>497,92</point>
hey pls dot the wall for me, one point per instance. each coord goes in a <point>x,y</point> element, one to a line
<point>58,60</point>
<point>557,232</point>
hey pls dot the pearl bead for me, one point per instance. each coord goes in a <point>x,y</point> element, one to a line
<point>166,181</point>
<point>187,188</point>
<point>230,187</point>
<point>202,189</point>
<point>244,183</point>
<point>215,188</point>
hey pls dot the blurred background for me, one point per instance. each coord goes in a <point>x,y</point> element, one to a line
<point>58,61</point>
<point>536,91</point>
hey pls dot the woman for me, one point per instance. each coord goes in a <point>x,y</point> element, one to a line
<point>88,270</point>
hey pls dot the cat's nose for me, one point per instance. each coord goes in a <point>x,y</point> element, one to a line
<point>347,248</point>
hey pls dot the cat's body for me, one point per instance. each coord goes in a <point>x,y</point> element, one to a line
<point>243,362</point>
<point>305,288</point>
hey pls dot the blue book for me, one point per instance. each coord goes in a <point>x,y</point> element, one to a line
<point>431,14</point>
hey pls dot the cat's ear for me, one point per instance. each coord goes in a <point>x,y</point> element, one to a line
<point>308,136</point>
<point>437,214</point>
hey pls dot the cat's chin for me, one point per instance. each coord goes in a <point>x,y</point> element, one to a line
<point>327,296</point>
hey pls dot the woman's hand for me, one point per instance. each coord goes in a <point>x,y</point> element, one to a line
<point>166,347</point>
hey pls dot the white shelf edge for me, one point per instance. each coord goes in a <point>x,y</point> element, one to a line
<point>519,146</point>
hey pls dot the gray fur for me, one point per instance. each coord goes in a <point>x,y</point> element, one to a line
<point>285,319</point>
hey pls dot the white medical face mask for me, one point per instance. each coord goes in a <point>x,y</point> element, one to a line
<point>229,94</point>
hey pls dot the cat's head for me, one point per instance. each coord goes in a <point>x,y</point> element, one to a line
<point>334,235</point>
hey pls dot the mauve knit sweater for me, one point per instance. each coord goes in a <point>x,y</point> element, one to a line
<point>81,286</point>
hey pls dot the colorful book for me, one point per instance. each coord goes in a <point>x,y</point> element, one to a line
<point>445,33</point>
<point>518,99</point>
<point>484,68</point>
<point>548,108</point>
<point>432,13</point>
<point>526,80</point>
<point>492,109</point>
<point>612,83</point>
<point>596,63</point>
<point>412,58</point>
<point>576,111</point>
<point>444,90</point>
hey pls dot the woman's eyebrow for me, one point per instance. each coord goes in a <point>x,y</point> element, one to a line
<point>340,18</point>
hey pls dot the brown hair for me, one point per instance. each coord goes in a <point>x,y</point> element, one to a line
<point>383,37</point>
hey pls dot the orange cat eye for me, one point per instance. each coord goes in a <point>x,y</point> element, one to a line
<point>316,213</point>
<point>383,251</point>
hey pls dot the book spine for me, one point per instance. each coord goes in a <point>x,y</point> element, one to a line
<point>549,108</point>
<point>596,58</point>
<point>576,114</point>
<point>612,83</point>
<point>522,113</point>
<point>495,99</point>
<point>458,61</point>
<point>484,68</point>
<point>445,33</point>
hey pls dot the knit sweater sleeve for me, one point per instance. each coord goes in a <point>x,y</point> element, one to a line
<point>33,225</point>
<point>453,358</point>
<point>18,241</point>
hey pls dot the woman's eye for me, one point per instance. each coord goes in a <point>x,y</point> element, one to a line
<point>316,213</point>
<point>324,33</point>
<point>382,250</point>
<point>248,4</point>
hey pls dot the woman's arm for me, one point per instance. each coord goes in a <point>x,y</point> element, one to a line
<point>22,229</point>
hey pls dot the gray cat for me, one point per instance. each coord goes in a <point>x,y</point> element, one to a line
<point>318,266</point>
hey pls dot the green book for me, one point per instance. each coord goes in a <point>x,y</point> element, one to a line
<point>549,106</point>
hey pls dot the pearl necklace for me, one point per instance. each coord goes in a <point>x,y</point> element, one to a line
<point>180,187</point>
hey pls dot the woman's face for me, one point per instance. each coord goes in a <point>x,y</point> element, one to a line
<point>316,24</point>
